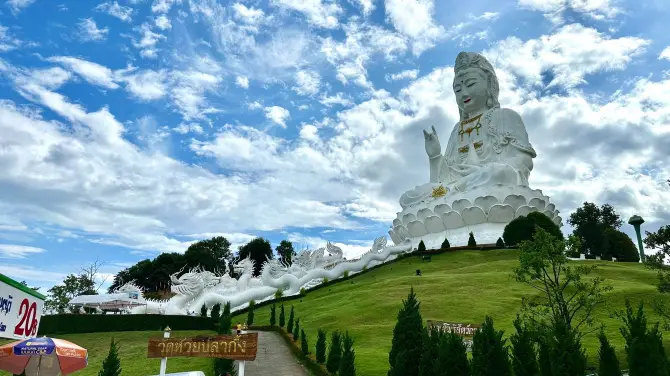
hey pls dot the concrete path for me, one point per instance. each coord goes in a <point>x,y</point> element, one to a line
<point>274,358</point>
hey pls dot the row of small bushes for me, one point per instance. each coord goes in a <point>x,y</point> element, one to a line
<point>341,355</point>
<point>69,323</point>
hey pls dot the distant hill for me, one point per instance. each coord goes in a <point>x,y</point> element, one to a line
<point>461,286</point>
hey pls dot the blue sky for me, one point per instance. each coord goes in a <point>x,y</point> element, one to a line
<point>134,127</point>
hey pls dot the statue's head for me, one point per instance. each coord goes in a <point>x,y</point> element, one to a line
<point>475,84</point>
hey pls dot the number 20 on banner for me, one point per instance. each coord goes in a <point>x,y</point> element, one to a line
<point>27,326</point>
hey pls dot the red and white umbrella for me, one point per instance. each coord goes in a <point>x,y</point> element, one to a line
<point>42,356</point>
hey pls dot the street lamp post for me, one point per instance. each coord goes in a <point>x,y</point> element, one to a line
<point>636,221</point>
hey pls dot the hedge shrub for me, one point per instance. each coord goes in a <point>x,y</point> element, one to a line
<point>69,324</point>
<point>522,228</point>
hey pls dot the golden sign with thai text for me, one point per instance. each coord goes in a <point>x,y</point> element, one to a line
<point>236,347</point>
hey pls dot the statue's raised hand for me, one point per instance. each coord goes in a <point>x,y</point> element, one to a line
<point>433,148</point>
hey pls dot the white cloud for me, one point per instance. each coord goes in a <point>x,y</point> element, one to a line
<point>409,74</point>
<point>251,16</point>
<point>148,41</point>
<point>13,251</point>
<point>255,105</point>
<point>665,54</point>
<point>596,9</point>
<point>36,276</point>
<point>7,41</point>
<point>93,73</point>
<point>309,132</point>
<point>163,6</point>
<point>367,6</point>
<point>17,5</point>
<point>189,93</point>
<point>338,98</point>
<point>89,32</point>
<point>51,78</point>
<point>307,82</point>
<point>569,54</point>
<point>414,18</point>
<point>321,13</point>
<point>162,22</point>
<point>242,81</point>
<point>278,115</point>
<point>121,12</point>
<point>185,128</point>
<point>146,85</point>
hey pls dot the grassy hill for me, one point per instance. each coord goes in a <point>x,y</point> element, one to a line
<point>461,286</point>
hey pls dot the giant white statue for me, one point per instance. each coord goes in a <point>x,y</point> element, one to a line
<point>480,183</point>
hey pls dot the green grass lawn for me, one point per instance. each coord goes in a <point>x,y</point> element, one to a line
<point>462,286</point>
<point>133,353</point>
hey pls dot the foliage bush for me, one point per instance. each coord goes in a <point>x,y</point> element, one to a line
<point>407,339</point>
<point>445,244</point>
<point>111,366</point>
<point>273,315</point>
<point>524,358</point>
<point>325,280</point>
<point>304,346</point>
<point>500,243</point>
<point>250,313</point>
<point>489,353</point>
<point>347,367</point>
<point>346,274</point>
<point>203,311</point>
<point>644,346</point>
<point>621,246</point>
<point>70,324</point>
<point>216,312</point>
<point>471,240</point>
<point>291,317</point>
<point>303,292</point>
<point>422,247</point>
<point>282,316</point>
<point>609,364</point>
<point>334,352</point>
<point>296,330</point>
<point>279,293</point>
<point>522,228</point>
<point>431,343</point>
<point>452,357</point>
<point>224,366</point>
<point>321,346</point>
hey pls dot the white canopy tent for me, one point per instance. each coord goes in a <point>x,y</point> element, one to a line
<point>109,302</point>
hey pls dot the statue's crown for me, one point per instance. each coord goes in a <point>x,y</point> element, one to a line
<point>466,60</point>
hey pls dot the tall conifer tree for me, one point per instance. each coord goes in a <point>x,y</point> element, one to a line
<point>407,338</point>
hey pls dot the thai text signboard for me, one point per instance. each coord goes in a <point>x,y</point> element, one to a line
<point>236,347</point>
<point>463,330</point>
<point>20,309</point>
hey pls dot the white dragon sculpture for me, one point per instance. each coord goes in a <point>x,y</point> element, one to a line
<point>198,287</point>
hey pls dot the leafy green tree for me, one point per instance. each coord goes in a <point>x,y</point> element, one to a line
<point>285,252</point>
<point>609,364</point>
<point>211,254</point>
<point>471,240</point>
<point>523,228</point>
<point>291,317</point>
<point>296,329</point>
<point>565,294</point>
<point>304,346</point>
<point>347,367</point>
<point>226,320</point>
<point>644,347</point>
<point>259,250</point>
<point>282,316</point>
<point>321,346</point>
<point>216,312</point>
<point>445,244</point>
<point>660,240</point>
<point>489,353</point>
<point>203,310</point>
<point>543,357</point>
<point>524,358</point>
<point>590,223</point>
<point>407,338</point>
<point>334,352</point>
<point>500,243</point>
<point>250,313</point>
<point>111,366</point>
<point>452,358</point>
<point>422,246</point>
<point>273,315</point>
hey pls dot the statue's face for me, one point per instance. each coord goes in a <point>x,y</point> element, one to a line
<point>471,90</point>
